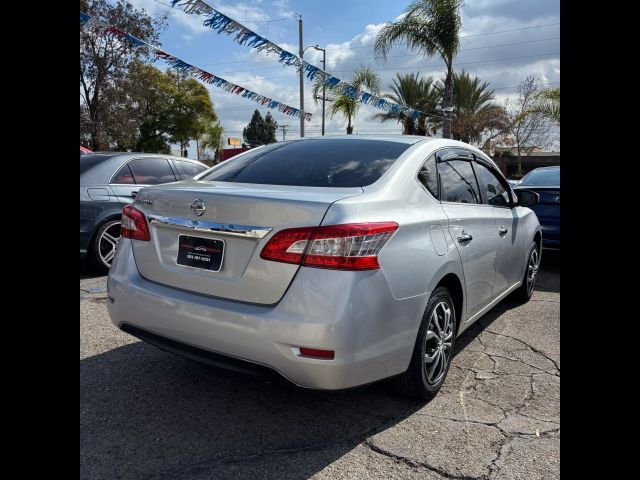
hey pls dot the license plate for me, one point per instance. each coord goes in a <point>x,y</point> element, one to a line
<point>205,253</point>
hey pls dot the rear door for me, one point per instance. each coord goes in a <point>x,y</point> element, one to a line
<point>471,225</point>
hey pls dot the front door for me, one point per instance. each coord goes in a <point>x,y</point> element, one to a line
<point>497,198</point>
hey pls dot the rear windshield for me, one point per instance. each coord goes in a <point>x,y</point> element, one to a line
<point>312,163</point>
<point>542,178</point>
<point>87,162</point>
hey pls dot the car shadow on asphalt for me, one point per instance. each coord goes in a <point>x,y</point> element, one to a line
<point>145,413</point>
<point>88,271</point>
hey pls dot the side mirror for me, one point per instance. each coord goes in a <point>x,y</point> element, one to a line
<point>527,198</point>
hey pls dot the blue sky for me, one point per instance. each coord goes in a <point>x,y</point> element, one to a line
<point>498,44</point>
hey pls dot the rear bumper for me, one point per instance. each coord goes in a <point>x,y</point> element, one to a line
<point>352,313</point>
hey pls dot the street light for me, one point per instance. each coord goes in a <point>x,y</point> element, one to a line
<point>324,68</point>
<point>324,58</point>
<point>447,112</point>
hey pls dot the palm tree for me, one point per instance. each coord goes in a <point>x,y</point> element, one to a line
<point>364,78</point>
<point>415,92</point>
<point>475,112</point>
<point>212,138</point>
<point>430,27</point>
<point>548,104</point>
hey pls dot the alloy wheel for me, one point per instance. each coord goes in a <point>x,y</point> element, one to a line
<point>108,242</point>
<point>438,343</point>
<point>532,270</point>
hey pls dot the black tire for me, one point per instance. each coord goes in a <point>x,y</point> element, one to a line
<point>98,253</point>
<point>524,293</point>
<point>415,382</point>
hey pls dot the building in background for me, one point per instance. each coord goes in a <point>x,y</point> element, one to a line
<point>507,159</point>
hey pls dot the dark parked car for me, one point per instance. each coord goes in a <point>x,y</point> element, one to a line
<point>108,182</point>
<point>545,182</point>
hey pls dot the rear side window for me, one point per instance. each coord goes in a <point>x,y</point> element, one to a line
<point>428,175</point>
<point>458,182</point>
<point>151,171</point>
<point>313,163</point>
<point>496,193</point>
<point>124,175</point>
<point>88,161</point>
<point>188,169</point>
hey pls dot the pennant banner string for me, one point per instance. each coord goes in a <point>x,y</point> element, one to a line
<point>93,23</point>
<point>245,36</point>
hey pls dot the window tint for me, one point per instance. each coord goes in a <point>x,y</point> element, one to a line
<point>88,161</point>
<point>428,175</point>
<point>188,169</point>
<point>458,182</point>
<point>151,171</point>
<point>313,163</point>
<point>124,175</point>
<point>495,192</point>
<point>549,177</point>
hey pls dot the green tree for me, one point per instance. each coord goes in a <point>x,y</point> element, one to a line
<point>253,132</point>
<point>412,91</point>
<point>104,61</point>
<point>547,102</point>
<point>191,110</point>
<point>476,116</point>
<point>364,78</point>
<point>271,126</point>
<point>150,95</point>
<point>260,131</point>
<point>211,139</point>
<point>160,110</point>
<point>430,27</point>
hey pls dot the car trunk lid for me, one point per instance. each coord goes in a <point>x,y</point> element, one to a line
<point>242,217</point>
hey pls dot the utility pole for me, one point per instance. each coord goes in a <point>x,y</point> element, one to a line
<point>324,87</point>
<point>284,131</point>
<point>301,77</point>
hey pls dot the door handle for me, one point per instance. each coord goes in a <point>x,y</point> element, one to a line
<point>133,194</point>
<point>502,230</point>
<point>465,237</point>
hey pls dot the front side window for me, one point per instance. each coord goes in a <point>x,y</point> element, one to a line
<point>495,192</point>
<point>428,175</point>
<point>458,182</point>
<point>151,171</point>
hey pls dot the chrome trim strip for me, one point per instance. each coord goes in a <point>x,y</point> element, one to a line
<point>249,231</point>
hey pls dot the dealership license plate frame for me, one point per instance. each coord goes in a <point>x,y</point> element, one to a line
<point>194,255</point>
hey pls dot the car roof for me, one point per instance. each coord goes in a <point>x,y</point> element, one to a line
<point>127,155</point>
<point>398,138</point>
<point>551,167</point>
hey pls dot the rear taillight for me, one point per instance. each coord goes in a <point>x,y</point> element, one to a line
<point>134,224</point>
<point>353,246</point>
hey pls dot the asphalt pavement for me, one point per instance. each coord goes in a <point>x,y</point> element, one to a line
<point>148,414</point>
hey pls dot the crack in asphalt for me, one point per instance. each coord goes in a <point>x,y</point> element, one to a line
<point>415,464</point>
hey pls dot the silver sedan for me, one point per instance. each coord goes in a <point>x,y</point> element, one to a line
<point>335,261</point>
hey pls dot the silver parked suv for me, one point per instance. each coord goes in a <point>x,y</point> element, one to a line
<point>335,262</point>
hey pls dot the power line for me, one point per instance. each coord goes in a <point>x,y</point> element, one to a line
<point>373,58</point>
<point>500,89</point>
<point>415,66</point>
<point>173,10</point>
